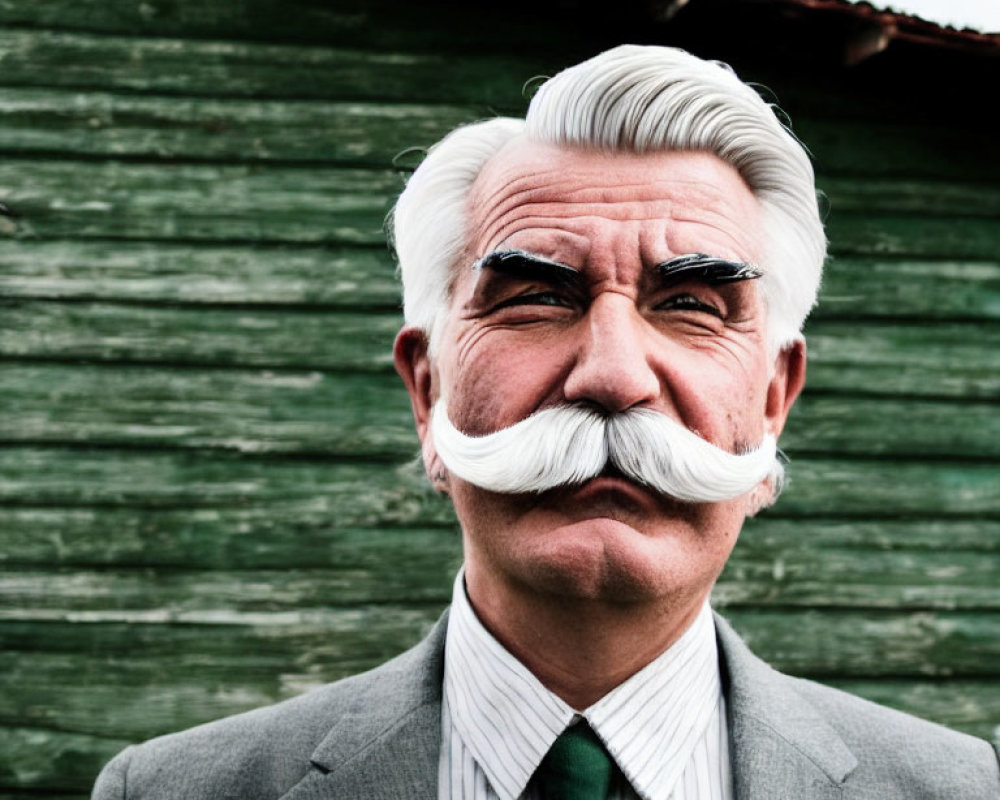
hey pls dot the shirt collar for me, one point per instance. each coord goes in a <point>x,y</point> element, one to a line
<point>508,720</point>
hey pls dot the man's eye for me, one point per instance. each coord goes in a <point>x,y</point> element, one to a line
<point>688,302</point>
<point>535,299</point>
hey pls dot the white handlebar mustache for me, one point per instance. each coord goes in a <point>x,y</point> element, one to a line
<point>571,444</point>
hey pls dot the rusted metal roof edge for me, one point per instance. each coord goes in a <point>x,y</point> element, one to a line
<point>884,26</point>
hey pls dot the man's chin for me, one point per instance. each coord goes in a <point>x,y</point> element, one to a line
<point>605,555</point>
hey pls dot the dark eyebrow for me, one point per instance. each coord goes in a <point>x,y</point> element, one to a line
<point>708,269</point>
<point>528,266</point>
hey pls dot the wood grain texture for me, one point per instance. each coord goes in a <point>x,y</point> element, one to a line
<point>96,124</point>
<point>304,276</point>
<point>53,762</point>
<point>238,203</point>
<point>229,68</point>
<point>363,132</point>
<point>368,415</point>
<point>298,535</point>
<point>363,493</point>
<point>311,645</point>
<point>170,273</point>
<point>801,578</point>
<point>932,289</point>
<point>213,203</point>
<point>916,358</point>
<point>381,23</point>
<point>863,233</point>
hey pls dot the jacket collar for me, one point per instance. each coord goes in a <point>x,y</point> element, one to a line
<point>386,745</point>
<point>780,745</point>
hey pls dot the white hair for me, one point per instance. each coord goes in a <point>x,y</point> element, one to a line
<point>635,99</point>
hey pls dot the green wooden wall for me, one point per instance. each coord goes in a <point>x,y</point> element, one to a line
<point>204,498</point>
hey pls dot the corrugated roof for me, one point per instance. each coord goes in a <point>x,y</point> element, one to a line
<point>882,26</point>
<point>870,29</point>
<point>982,16</point>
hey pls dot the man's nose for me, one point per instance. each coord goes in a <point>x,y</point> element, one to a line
<point>612,367</point>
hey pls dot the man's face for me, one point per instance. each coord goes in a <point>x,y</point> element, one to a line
<point>595,320</point>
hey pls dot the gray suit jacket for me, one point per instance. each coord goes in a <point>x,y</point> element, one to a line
<point>377,735</point>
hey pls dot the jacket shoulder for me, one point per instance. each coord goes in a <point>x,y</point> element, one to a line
<point>893,748</point>
<point>792,737</point>
<point>248,755</point>
<point>261,753</point>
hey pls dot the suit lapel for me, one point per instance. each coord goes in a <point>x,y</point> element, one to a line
<point>780,745</point>
<point>386,745</point>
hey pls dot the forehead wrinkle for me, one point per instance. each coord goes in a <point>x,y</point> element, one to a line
<point>524,204</point>
<point>559,233</point>
<point>487,212</point>
<point>563,190</point>
<point>507,192</point>
<point>745,244</point>
<point>560,244</point>
<point>520,194</point>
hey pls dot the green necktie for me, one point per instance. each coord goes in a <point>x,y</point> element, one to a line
<point>577,767</point>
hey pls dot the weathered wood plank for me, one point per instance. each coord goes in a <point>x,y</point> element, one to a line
<point>98,123</point>
<point>348,277</point>
<point>371,494</point>
<point>943,359</point>
<point>101,124</point>
<point>862,233</point>
<point>296,535</point>
<point>889,489</point>
<point>835,644</point>
<point>396,572</point>
<point>887,287</point>
<point>289,651</point>
<point>863,195</point>
<point>248,336</point>
<point>284,536</point>
<point>369,414</point>
<point>220,68</point>
<point>136,699</point>
<point>881,426</point>
<point>350,22</point>
<point>849,579</point>
<point>364,493</point>
<point>890,146</point>
<point>249,411</point>
<point>173,595</point>
<point>187,202</point>
<point>897,358</point>
<point>364,276</point>
<point>306,645</point>
<point>55,763</point>
<point>244,203</point>
<point>768,537</point>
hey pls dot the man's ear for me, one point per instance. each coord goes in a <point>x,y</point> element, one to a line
<point>786,383</point>
<point>413,363</point>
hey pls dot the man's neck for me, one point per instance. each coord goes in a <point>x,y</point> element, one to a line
<point>579,648</point>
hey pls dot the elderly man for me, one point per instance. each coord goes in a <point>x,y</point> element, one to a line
<point>603,305</point>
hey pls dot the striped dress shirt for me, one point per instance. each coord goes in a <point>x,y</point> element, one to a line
<point>665,726</point>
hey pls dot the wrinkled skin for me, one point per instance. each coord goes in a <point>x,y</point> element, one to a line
<point>618,338</point>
